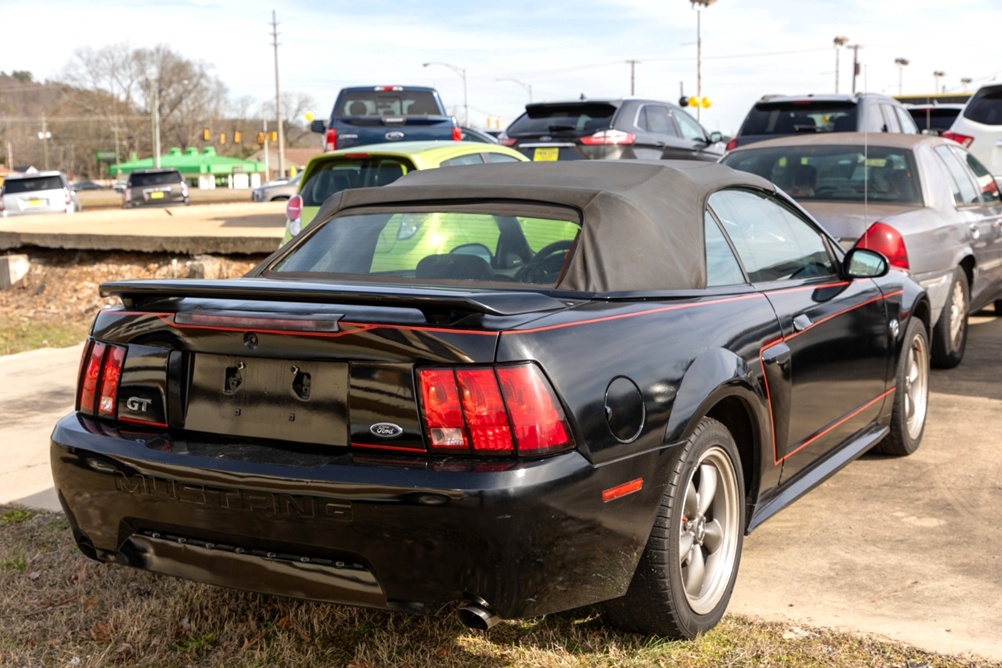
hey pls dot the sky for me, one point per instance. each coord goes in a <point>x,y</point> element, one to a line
<point>555,49</point>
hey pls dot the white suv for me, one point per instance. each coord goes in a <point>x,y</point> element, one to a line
<point>37,192</point>
<point>979,127</point>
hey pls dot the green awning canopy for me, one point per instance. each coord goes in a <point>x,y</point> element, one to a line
<point>192,162</point>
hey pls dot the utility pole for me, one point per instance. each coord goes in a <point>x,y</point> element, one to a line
<point>699,6</point>
<point>45,135</point>
<point>155,121</point>
<point>278,98</point>
<point>839,42</point>
<point>855,65</point>
<point>633,64</point>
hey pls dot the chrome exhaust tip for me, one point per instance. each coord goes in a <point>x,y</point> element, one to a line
<point>477,617</point>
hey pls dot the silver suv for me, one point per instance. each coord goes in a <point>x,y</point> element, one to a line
<point>37,192</point>
<point>155,187</point>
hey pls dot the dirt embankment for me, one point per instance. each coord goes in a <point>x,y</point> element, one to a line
<point>62,285</point>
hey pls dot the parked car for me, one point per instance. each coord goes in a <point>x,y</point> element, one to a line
<point>934,119</point>
<point>780,115</point>
<point>610,129</point>
<point>926,203</point>
<point>377,114</point>
<point>379,165</point>
<point>520,388</point>
<point>86,185</point>
<point>978,127</point>
<point>37,192</point>
<point>277,189</point>
<point>155,187</point>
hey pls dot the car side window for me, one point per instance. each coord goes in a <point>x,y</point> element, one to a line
<point>722,267</point>
<point>472,159</point>
<point>654,118</point>
<point>689,126</point>
<point>906,121</point>
<point>772,241</point>
<point>499,157</point>
<point>986,182</point>
<point>961,181</point>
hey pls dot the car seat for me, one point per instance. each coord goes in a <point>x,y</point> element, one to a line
<point>456,266</point>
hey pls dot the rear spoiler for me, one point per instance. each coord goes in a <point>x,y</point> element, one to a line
<point>140,293</point>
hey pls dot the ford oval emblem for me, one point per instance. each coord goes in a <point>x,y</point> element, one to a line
<point>394,136</point>
<point>386,430</point>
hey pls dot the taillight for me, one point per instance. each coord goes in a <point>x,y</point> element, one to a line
<point>330,139</point>
<point>457,134</point>
<point>963,140</point>
<point>69,197</point>
<point>732,144</point>
<point>99,379</point>
<point>505,140</point>
<point>484,410</point>
<point>294,207</point>
<point>609,138</point>
<point>885,239</point>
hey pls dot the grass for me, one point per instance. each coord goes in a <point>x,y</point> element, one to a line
<point>16,338</point>
<point>59,608</point>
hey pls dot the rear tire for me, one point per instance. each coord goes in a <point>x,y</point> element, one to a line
<point>911,396</point>
<point>998,307</point>
<point>686,574</point>
<point>949,337</point>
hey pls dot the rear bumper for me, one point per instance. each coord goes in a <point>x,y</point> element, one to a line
<point>524,538</point>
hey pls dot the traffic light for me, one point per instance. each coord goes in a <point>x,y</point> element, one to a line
<point>260,138</point>
<point>236,136</point>
<point>222,138</point>
<point>206,135</point>
<point>273,135</point>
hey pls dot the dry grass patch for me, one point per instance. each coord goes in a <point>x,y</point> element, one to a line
<point>58,608</point>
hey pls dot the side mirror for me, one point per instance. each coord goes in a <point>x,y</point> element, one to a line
<point>716,137</point>
<point>318,126</point>
<point>865,263</point>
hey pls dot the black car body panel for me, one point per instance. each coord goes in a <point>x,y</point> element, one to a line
<point>624,128</point>
<point>273,433</point>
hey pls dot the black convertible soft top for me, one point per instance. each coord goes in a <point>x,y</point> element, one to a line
<point>642,221</point>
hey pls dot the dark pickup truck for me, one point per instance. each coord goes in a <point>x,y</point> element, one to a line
<point>380,114</point>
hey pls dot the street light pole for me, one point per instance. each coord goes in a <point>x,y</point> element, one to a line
<point>902,63</point>
<point>839,42</point>
<point>698,5</point>
<point>633,66</point>
<point>278,100</point>
<point>466,100</point>
<point>936,76</point>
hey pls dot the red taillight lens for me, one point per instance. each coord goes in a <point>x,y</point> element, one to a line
<point>487,411</point>
<point>505,140</point>
<point>732,144</point>
<point>457,134</point>
<point>609,138</point>
<point>330,139</point>
<point>887,240</point>
<point>963,140</point>
<point>443,413</point>
<point>484,411</point>
<point>294,207</point>
<point>68,195</point>
<point>535,413</point>
<point>99,379</point>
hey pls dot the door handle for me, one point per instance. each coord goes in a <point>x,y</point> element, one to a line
<point>801,322</point>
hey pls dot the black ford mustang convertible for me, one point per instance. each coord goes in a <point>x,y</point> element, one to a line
<point>504,389</point>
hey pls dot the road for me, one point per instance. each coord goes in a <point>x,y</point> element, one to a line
<point>910,549</point>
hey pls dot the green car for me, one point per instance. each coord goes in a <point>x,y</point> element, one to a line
<point>378,165</point>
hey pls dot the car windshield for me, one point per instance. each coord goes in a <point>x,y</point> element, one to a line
<point>775,118</point>
<point>572,118</point>
<point>13,186</point>
<point>837,173</point>
<point>352,172</point>
<point>435,246</point>
<point>155,178</point>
